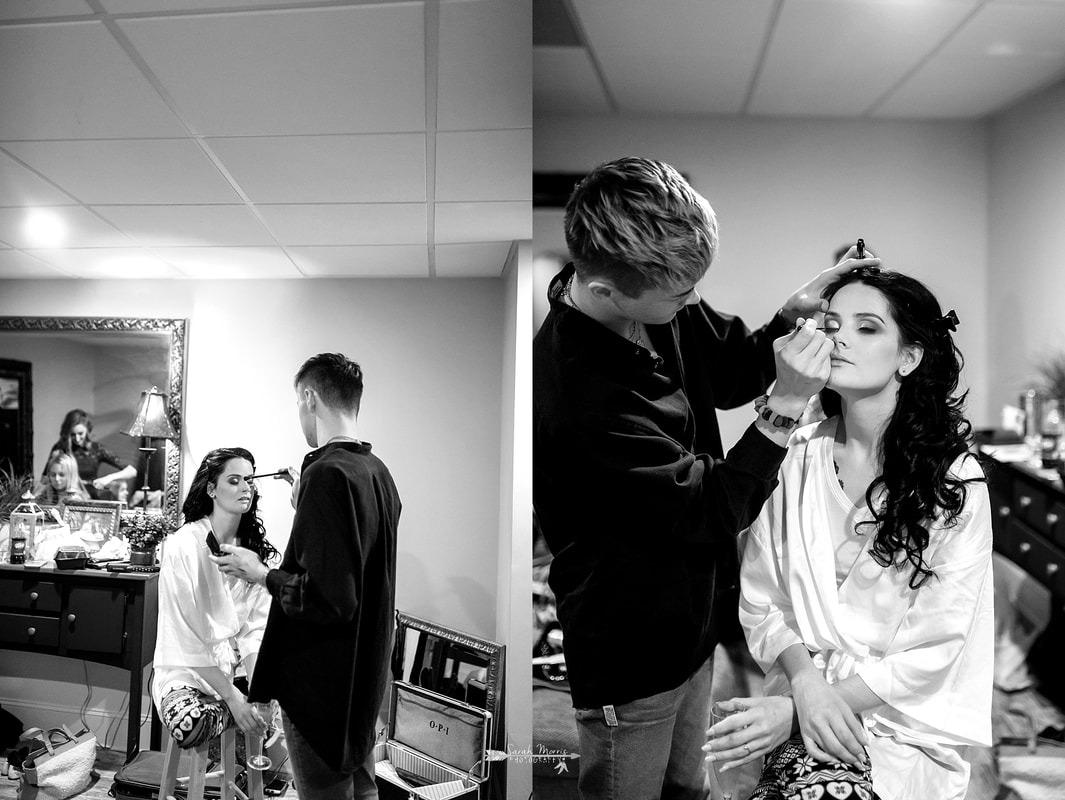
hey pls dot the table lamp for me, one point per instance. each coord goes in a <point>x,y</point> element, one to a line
<point>150,422</point>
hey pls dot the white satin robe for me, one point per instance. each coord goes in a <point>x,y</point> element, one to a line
<point>927,653</point>
<point>206,619</point>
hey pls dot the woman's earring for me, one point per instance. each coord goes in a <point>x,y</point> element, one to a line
<point>903,372</point>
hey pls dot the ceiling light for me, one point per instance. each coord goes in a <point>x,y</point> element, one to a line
<point>45,228</point>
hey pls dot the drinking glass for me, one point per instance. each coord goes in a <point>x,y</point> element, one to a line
<point>726,781</point>
<point>258,760</point>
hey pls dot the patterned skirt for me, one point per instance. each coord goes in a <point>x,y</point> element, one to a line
<point>791,773</point>
<point>193,717</point>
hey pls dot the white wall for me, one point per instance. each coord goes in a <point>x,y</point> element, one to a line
<point>1027,291</point>
<point>515,553</point>
<point>788,193</point>
<point>434,363</point>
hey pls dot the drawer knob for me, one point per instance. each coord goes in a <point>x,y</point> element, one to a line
<point>1052,568</point>
<point>34,596</point>
<point>1024,547</point>
<point>1003,511</point>
<point>1052,519</point>
<point>71,617</point>
<point>31,631</point>
<point>1024,501</point>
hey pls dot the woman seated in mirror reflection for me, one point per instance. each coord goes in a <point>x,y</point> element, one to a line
<point>211,625</point>
<point>61,482</point>
<point>866,581</point>
<point>75,437</point>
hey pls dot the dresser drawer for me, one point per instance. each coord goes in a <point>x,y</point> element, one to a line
<point>30,594</point>
<point>28,630</point>
<point>95,619</point>
<point>1030,505</point>
<point>1038,557</point>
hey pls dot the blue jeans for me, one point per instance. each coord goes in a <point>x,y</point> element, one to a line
<point>654,748</point>
<point>316,780</point>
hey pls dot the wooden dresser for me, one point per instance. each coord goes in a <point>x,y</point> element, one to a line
<point>94,615</point>
<point>1028,503</point>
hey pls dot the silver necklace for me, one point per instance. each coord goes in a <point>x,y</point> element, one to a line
<point>634,334</point>
<point>634,331</point>
<point>566,293</point>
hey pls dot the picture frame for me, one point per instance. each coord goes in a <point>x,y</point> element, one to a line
<point>96,517</point>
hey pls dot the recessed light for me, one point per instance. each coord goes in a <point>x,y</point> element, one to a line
<point>45,228</point>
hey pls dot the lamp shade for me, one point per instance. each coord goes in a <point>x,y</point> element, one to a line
<point>151,420</point>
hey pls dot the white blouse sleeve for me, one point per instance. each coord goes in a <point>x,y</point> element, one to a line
<point>939,667</point>
<point>257,608</point>
<point>184,635</point>
<point>765,604</point>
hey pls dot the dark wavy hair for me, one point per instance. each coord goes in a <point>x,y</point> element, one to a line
<point>73,418</point>
<point>198,504</point>
<point>926,433</point>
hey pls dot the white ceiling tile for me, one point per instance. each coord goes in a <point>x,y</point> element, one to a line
<point>81,228</point>
<point>42,9</point>
<point>344,224</point>
<point>367,261</point>
<point>1012,30</point>
<point>187,226</point>
<point>484,260</point>
<point>357,69</point>
<point>23,187</point>
<point>967,87</point>
<point>72,80</point>
<point>107,263</point>
<point>156,6</point>
<point>676,56</point>
<point>565,81</point>
<point>484,165</point>
<point>327,169</point>
<point>229,262</point>
<point>482,222</point>
<point>814,68</point>
<point>16,264</point>
<point>485,71</point>
<point>128,172</point>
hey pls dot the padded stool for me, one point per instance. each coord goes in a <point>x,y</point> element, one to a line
<point>198,770</point>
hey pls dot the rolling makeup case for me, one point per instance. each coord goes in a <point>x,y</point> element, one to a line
<point>436,747</point>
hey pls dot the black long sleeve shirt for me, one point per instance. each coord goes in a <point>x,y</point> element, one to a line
<point>631,491</point>
<point>328,639</point>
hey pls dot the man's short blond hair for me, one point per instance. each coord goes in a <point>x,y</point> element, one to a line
<point>639,224</point>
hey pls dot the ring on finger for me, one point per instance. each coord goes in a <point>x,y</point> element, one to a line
<point>747,749</point>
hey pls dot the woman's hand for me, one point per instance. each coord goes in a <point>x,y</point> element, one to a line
<point>246,716</point>
<point>830,730</point>
<point>762,725</point>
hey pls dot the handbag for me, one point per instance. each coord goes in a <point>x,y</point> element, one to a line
<point>1030,767</point>
<point>61,767</point>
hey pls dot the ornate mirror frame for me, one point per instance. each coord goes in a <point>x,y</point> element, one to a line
<point>176,329</point>
<point>493,653</point>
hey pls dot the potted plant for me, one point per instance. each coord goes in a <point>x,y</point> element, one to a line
<point>12,488</point>
<point>1051,371</point>
<point>143,530</point>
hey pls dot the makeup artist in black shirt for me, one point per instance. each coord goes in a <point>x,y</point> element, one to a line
<point>630,488</point>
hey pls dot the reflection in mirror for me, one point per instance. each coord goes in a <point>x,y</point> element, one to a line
<point>452,663</point>
<point>100,365</point>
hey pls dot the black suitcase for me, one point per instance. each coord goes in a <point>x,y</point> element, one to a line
<point>140,778</point>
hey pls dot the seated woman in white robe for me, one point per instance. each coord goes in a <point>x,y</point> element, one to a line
<point>210,625</point>
<point>866,583</point>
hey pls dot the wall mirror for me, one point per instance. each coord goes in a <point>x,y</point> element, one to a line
<point>50,365</point>
<point>452,663</point>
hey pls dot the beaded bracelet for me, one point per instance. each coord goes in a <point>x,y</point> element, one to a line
<point>762,409</point>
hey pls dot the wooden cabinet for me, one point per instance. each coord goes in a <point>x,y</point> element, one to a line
<point>108,618</point>
<point>1028,507</point>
